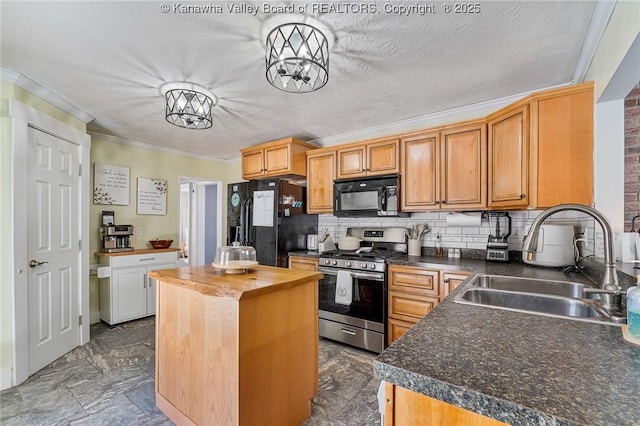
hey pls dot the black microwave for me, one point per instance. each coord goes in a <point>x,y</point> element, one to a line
<point>375,196</point>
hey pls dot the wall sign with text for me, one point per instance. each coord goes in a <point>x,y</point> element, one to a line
<point>110,185</point>
<point>152,196</point>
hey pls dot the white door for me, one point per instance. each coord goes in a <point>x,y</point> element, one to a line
<point>53,248</point>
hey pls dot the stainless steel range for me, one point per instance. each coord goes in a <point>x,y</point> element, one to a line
<point>353,293</point>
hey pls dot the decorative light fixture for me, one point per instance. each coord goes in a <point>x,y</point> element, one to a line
<point>297,58</point>
<point>189,105</point>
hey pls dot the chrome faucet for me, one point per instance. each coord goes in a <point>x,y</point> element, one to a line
<point>610,279</point>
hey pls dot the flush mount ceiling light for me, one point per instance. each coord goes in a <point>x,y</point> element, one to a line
<point>188,105</point>
<point>297,58</point>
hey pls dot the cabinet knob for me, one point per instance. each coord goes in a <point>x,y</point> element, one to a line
<point>437,202</point>
<point>522,196</point>
<point>447,280</point>
<point>444,202</point>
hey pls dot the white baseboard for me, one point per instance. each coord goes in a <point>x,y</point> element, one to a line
<point>5,379</point>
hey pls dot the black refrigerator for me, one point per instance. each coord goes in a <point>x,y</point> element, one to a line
<point>269,215</point>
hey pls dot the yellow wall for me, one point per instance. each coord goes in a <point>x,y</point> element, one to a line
<point>148,163</point>
<point>621,31</point>
<point>10,91</point>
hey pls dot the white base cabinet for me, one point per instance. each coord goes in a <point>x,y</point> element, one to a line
<point>128,293</point>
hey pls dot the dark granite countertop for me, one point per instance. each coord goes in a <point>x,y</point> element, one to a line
<point>515,367</point>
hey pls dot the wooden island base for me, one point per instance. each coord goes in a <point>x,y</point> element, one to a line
<point>236,349</point>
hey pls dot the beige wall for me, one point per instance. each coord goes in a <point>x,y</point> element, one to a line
<point>623,28</point>
<point>150,163</point>
<point>10,91</point>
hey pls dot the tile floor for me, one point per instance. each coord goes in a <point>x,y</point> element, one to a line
<point>110,381</point>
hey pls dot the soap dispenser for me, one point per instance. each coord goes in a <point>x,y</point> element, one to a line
<point>633,309</point>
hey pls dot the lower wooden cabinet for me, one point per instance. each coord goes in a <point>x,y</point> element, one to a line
<point>407,408</point>
<point>451,280</point>
<point>303,263</point>
<point>413,293</point>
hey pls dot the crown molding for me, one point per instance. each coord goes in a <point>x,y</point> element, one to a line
<point>43,93</point>
<point>144,145</point>
<point>467,112</point>
<point>599,21</point>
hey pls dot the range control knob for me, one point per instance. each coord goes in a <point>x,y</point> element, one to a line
<point>363,265</point>
<point>347,264</point>
<point>327,261</point>
<point>372,266</point>
<point>334,262</point>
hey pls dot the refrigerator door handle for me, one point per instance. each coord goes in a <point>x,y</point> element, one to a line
<point>249,240</point>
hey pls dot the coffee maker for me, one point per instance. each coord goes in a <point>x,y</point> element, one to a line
<point>498,245</point>
<point>115,238</point>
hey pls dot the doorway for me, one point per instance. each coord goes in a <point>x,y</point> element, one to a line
<point>200,232</point>
<point>50,265</point>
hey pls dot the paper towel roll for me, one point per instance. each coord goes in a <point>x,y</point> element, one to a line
<point>464,219</point>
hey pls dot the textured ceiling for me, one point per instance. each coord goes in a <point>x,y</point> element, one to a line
<point>110,59</point>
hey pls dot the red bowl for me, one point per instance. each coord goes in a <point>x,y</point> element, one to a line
<point>161,244</point>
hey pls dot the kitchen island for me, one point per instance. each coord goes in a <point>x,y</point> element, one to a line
<point>236,349</point>
<point>512,367</point>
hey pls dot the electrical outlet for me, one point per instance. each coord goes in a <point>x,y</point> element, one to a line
<point>138,231</point>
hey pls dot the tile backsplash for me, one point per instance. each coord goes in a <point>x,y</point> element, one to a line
<point>471,237</point>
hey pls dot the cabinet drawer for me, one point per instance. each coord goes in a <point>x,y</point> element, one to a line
<point>422,281</point>
<point>410,307</point>
<point>142,259</point>
<point>396,329</point>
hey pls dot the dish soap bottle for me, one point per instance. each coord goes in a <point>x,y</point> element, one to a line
<point>633,309</point>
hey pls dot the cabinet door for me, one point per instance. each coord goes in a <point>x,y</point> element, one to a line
<point>410,307</point>
<point>407,408</point>
<point>416,280</point>
<point>564,149</point>
<point>151,286</point>
<point>396,328</point>
<point>321,171</point>
<point>419,177</point>
<point>276,160</point>
<point>128,293</point>
<point>508,159</point>
<point>451,280</point>
<point>351,162</point>
<point>463,167</point>
<point>383,157</point>
<point>252,164</point>
<point>303,263</point>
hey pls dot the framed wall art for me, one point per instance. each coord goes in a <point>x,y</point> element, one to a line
<point>152,196</point>
<point>110,185</point>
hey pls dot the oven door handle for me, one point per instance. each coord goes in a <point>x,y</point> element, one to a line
<point>377,277</point>
<point>327,271</point>
<point>363,275</point>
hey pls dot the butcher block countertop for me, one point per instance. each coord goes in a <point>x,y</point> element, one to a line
<point>258,280</point>
<point>134,252</point>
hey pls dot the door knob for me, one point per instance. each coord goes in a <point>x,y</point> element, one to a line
<point>35,263</point>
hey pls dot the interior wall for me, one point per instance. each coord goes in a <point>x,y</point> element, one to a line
<point>614,66</point>
<point>632,157</point>
<point>150,163</point>
<point>466,237</point>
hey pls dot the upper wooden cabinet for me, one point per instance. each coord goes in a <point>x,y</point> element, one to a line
<point>372,158</point>
<point>420,178</point>
<point>445,169</point>
<point>284,157</point>
<point>321,172</point>
<point>508,157</point>
<point>541,150</point>
<point>562,147</point>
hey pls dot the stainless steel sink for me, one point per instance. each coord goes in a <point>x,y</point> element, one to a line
<point>552,305</point>
<point>542,297</point>
<point>530,285</point>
